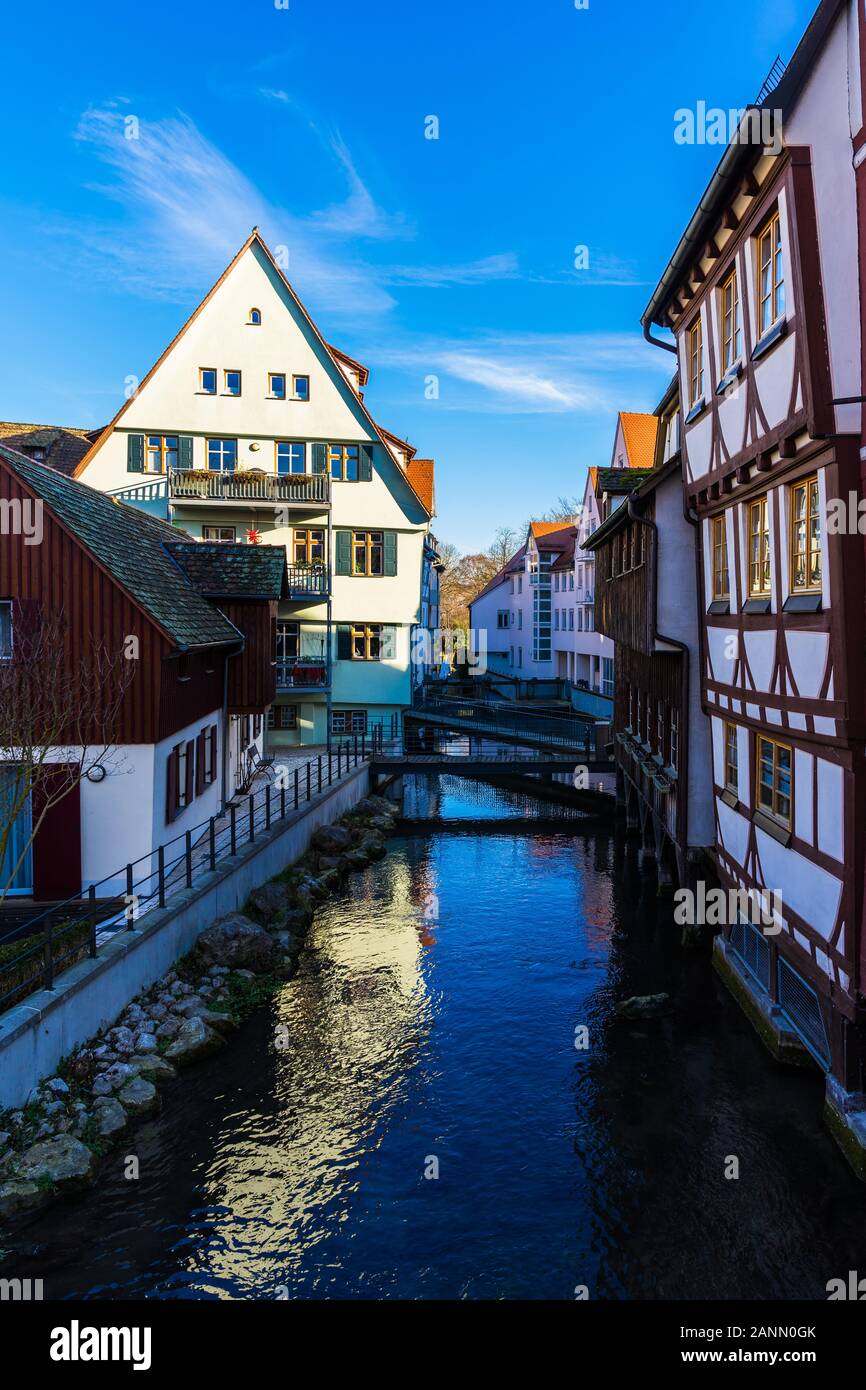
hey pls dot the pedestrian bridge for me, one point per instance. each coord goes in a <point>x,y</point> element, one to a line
<point>485,738</point>
<point>427,727</point>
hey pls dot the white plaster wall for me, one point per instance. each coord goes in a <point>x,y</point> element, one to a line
<point>822,119</point>
<point>677,618</point>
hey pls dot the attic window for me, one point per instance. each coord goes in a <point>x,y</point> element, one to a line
<point>255,317</point>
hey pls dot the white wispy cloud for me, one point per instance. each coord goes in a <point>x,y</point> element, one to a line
<point>501,267</point>
<point>188,208</point>
<point>531,373</point>
<point>359,215</point>
<point>601,269</point>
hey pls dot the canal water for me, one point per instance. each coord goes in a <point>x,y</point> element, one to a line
<point>411,1118</point>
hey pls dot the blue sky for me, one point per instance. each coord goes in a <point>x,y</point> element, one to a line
<point>451,257</point>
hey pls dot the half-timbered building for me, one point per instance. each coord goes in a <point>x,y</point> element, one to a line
<point>762,297</point>
<point>183,631</point>
<point>645,602</point>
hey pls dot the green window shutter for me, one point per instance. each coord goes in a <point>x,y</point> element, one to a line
<point>344,643</point>
<point>135,453</point>
<point>365,468</point>
<point>320,458</point>
<point>389,644</point>
<point>390,553</point>
<point>184,451</point>
<point>343,552</point>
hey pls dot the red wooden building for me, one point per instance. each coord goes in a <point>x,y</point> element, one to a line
<point>186,632</point>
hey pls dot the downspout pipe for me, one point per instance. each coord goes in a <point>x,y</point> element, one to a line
<point>657,342</point>
<point>236,651</point>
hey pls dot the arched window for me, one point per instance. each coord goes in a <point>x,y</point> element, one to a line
<point>255,316</point>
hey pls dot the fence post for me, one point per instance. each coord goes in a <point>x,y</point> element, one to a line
<point>356,750</point>
<point>363,747</point>
<point>319,760</point>
<point>49,952</point>
<point>161,873</point>
<point>130,894</point>
<point>267,806</point>
<point>297,781</point>
<point>330,768</point>
<point>252,817</point>
<point>282,798</point>
<point>309,779</point>
<point>212,840</point>
<point>233,828</point>
<point>188,857</point>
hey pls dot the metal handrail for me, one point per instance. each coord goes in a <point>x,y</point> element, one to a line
<point>249,484</point>
<point>312,578</point>
<point>181,862</point>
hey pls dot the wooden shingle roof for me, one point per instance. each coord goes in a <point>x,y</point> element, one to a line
<point>133,548</point>
<point>60,446</point>
<point>221,571</point>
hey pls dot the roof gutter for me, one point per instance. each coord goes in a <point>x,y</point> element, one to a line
<point>716,195</point>
<point>782,99</point>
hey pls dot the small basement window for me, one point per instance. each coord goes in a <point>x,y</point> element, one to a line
<point>6,630</point>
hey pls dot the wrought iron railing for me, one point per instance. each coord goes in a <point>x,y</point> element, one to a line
<point>68,931</point>
<point>309,580</point>
<point>249,485</point>
<point>492,718</point>
<point>304,673</point>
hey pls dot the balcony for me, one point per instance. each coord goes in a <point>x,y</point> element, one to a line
<point>250,487</point>
<point>309,581</point>
<point>303,673</point>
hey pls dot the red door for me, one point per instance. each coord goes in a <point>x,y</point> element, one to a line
<point>57,843</point>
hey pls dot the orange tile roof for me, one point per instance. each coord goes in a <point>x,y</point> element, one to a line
<point>640,438</point>
<point>420,473</point>
<point>544,528</point>
<point>363,374</point>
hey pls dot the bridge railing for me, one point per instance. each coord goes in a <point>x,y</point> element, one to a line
<point>490,718</point>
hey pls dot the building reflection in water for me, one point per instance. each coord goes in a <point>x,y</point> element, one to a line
<point>348,1031</point>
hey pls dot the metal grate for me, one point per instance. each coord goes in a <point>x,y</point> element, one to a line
<point>752,948</point>
<point>772,80</point>
<point>799,1004</point>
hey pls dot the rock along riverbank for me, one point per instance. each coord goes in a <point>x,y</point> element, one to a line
<point>53,1146</point>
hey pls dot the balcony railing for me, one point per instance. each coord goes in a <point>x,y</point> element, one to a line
<point>309,581</point>
<point>303,673</point>
<point>250,485</point>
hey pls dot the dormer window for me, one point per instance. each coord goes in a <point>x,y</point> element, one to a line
<point>255,317</point>
<point>732,338</point>
<point>771,275</point>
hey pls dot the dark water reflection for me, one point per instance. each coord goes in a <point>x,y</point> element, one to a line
<point>434,1017</point>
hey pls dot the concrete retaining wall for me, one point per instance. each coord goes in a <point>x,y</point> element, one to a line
<point>36,1034</point>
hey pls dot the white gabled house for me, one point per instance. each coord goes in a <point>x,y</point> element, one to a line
<point>251,427</point>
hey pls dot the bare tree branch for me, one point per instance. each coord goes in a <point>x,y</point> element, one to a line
<point>59,718</point>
